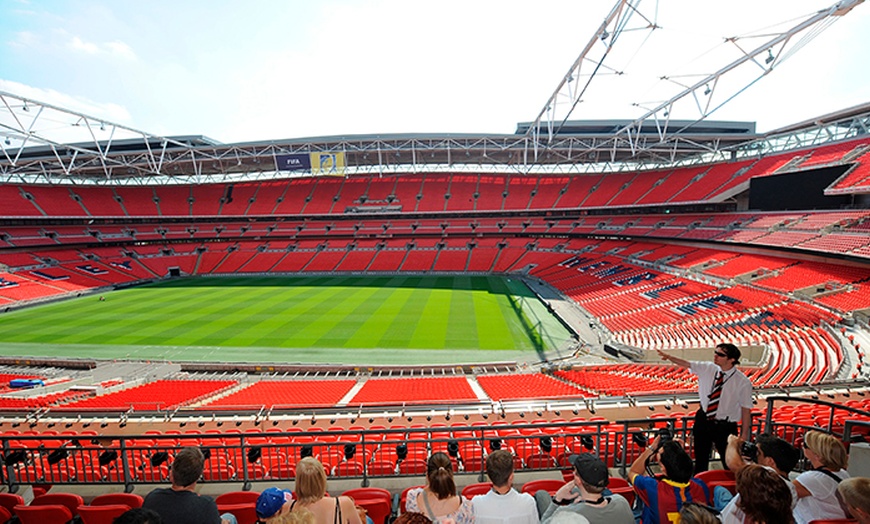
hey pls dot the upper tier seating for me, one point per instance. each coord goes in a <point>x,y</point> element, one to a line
<point>414,390</point>
<point>284,394</point>
<point>526,386</point>
<point>163,395</point>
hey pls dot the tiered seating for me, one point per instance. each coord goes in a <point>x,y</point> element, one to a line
<point>837,242</point>
<point>620,380</point>
<point>19,288</point>
<point>521,190</point>
<point>433,191</point>
<point>419,390</point>
<point>138,201</point>
<point>744,264</point>
<point>548,191</point>
<point>578,189</point>
<point>526,386</point>
<point>857,178</point>
<point>708,181</point>
<point>831,153</point>
<point>807,274</point>
<point>55,201</point>
<point>607,189</point>
<point>856,296</point>
<point>173,200</point>
<point>421,256</point>
<point>160,395</point>
<point>38,401</point>
<point>452,258</point>
<point>633,189</point>
<point>463,188</point>
<point>786,238</point>
<point>266,198</point>
<point>285,394</point>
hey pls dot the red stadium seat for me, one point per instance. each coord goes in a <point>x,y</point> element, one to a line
<point>105,514</point>
<point>479,488</point>
<point>130,499</point>
<point>245,512</point>
<point>47,514</point>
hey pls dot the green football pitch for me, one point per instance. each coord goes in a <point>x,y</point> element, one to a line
<point>360,320</point>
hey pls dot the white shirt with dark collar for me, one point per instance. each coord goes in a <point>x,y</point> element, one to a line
<point>511,508</point>
<point>736,390</point>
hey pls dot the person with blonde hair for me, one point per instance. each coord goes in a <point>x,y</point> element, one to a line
<point>817,488</point>
<point>311,496</point>
<point>438,499</point>
<point>300,516</point>
<point>855,492</point>
<point>694,513</point>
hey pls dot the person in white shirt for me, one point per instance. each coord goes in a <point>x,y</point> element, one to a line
<point>774,454</point>
<point>726,399</point>
<point>817,488</point>
<point>503,504</point>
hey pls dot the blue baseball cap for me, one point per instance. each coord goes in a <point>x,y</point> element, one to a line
<point>271,500</point>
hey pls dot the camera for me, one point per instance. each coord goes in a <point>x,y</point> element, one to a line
<point>665,435</point>
<point>749,450</point>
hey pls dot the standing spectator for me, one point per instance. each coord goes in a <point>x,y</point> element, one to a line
<point>726,398</point>
<point>179,503</point>
<point>764,499</point>
<point>585,495</point>
<point>438,499</point>
<point>311,496</point>
<point>663,499</point>
<point>817,489</point>
<point>855,492</point>
<point>503,504</point>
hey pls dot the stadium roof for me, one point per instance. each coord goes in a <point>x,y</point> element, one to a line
<point>45,143</point>
<point>580,146</point>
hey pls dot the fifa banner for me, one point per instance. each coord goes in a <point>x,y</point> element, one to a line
<point>317,163</point>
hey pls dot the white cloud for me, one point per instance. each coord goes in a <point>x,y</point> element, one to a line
<point>106,111</point>
<point>115,48</point>
<point>23,39</point>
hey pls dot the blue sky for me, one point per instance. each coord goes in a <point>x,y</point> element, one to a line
<point>238,71</point>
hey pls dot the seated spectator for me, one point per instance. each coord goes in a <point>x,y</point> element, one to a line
<point>817,488</point>
<point>311,496</point>
<point>179,503</point>
<point>503,504</point>
<point>694,513</point>
<point>412,518</point>
<point>302,516</point>
<point>438,500</point>
<point>585,495</point>
<point>663,499</point>
<point>138,516</point>
<point>764,498</point>
<point>771,452</point>
<point>568,517</point>
<point>272,503</point>
<point>855,492</point>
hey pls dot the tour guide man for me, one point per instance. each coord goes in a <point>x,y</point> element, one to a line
<point>726,397</point>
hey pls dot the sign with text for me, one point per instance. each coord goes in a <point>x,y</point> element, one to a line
<point>297,162</point>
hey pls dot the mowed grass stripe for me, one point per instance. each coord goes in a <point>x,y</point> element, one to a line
<point>494,330</point>
<point>462,318</point>
<point>387,305</point>
<point>194,317</point>
<point>410,301</point>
